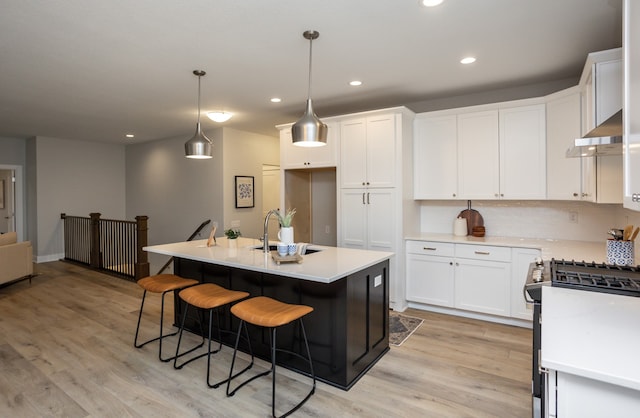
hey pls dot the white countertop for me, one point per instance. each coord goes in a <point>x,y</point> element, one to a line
<point>591,334</point>
<point>551,248</point>
<point>324,266</point>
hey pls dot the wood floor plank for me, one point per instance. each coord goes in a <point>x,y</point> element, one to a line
<point>66,349</point>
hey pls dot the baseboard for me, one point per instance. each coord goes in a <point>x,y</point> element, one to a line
<point>47,258</point>
<point>473,315</point>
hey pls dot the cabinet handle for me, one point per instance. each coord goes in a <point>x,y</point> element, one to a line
<point>368,202</point>
<point>495,195</point>
<point>364,184</point>
<point>451,263</point>
<point>575,195</point>
<point>363,199</point>
<point>429,248</point>
<point>367,183</point>
<point>454,195</point>
<point>482,252</point>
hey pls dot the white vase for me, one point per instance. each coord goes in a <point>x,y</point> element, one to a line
<point>285,234</point>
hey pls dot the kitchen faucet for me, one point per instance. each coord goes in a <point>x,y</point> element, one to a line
<point>265,240</point>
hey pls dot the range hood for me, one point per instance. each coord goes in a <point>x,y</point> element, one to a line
<point>605,139</point>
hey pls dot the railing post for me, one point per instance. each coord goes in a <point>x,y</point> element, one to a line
<point>94,258</point>
<point>142,264</point>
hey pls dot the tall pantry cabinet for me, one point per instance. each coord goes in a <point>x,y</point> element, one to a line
<point>373,184</point>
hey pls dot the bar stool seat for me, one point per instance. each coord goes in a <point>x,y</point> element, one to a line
<point>209,297</point>
<point>269,313</point>
<point>160,283</point>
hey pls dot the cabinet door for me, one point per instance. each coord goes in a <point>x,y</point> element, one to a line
<point>609,179</point>
<point>631,108</point>
<point>588,179</point>
<point>353,157</point>
<point>381,219</point>
<point>483,286</point>
<point>563,127</point>
<point>521,259</point>
<point>478,155</point>
<point>435,166</point>
<point>430,279</point>
<point>381,152</point>
<point>353,218</point>
<point>523,153</point>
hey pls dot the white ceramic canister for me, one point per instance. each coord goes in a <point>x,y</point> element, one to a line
<point>460,227</point>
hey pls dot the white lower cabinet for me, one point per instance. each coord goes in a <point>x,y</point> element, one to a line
<point>483,275</point>
<point>470,277</point>
<point>431,269</point>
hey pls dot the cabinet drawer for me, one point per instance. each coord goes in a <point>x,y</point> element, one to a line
<point>444,249</point>
<point>483,252</point>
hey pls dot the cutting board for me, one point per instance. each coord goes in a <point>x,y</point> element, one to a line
<point>472,216</point>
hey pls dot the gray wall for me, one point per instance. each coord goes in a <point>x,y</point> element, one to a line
<point>178,194</point>
<point>72,177</point>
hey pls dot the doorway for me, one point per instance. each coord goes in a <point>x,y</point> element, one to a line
<point>271,195</point>
<point>11,200</point>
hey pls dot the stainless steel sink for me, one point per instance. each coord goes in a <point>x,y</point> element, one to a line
<point>275,248</point>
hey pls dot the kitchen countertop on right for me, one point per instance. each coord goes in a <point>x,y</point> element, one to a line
<point>550,248</point>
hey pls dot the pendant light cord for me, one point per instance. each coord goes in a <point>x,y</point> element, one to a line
<point>199,99</point>
<point>310,55</point>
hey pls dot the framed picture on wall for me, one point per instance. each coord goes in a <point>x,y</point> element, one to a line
<point>244,192</point>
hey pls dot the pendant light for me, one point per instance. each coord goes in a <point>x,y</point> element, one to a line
<point>198,147</point>
<point>309,131</point>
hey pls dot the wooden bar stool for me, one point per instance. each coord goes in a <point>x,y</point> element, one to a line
<point>160,283</point>
<point>207,297</point>
<point>269,313</point>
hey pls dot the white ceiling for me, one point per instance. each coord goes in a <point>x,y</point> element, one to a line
<point>96,70</point>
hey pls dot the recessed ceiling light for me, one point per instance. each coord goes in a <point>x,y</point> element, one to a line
<point>430,3</point>
<point>467,60</point>
<point>355,83</point>
<point>219,116</point>
<point>276,100</point>
<point>129,135</point>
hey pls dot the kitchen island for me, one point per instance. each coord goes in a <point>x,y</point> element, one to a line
<point>348,329</point>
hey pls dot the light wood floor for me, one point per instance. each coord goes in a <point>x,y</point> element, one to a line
<point>66,349</point>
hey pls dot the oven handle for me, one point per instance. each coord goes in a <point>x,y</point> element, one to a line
<point>526,296</point>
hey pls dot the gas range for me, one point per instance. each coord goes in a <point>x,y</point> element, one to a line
<point>582,275</point>
<point>596,277</point>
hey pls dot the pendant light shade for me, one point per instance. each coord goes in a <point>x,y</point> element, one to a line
<point>199,146</point>
<point>309,131</point>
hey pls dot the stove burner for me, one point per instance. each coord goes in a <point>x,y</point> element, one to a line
<point>599,277</point>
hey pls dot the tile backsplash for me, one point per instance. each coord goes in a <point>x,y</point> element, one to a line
<point>580,221</point>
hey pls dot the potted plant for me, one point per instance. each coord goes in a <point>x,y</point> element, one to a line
<point>285,221</point>
<point>232,233</point>
<point>285,234</point>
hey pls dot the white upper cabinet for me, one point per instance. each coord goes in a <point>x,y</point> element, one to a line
<point>367,151</point>
<point>523,152</point>
<point>478,155</point>
<point>631,108</point>
<point>293,156</point>
<point>563,127</point>
<point>435,142</point>
<point>499,153</point>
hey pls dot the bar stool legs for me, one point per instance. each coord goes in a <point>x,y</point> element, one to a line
<point>269,313</point>
<point>161,283</point>
<point>207,297</point>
